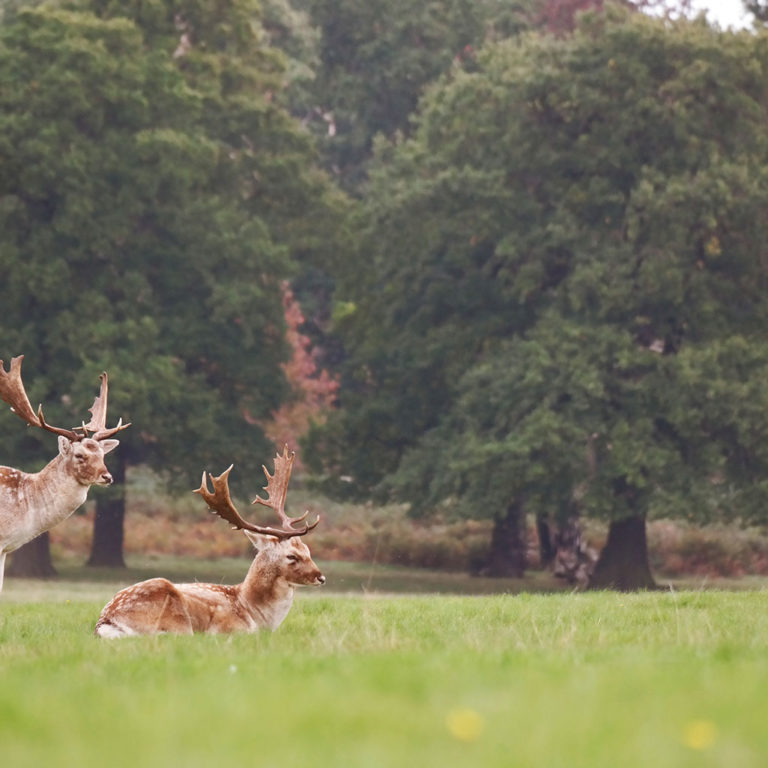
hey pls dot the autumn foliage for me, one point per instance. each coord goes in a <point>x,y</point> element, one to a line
<point>313,391</point>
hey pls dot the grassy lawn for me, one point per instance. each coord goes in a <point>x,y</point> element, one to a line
<point>76,581</point>
<point>671,679</point>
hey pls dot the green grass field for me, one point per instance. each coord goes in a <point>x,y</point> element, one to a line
<point>657,679</point>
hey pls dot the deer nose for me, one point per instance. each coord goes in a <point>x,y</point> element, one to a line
<point>106,478</point>
<point>321,579</point>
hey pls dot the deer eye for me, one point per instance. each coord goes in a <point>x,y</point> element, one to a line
<point>293,559</point>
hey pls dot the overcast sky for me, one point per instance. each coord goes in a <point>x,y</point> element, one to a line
<point>726,13</point>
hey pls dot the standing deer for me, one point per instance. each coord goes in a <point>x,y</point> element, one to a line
<point>31,504</point>
<point>261,601</point>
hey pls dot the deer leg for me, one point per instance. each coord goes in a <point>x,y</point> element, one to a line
<point>2,568</point>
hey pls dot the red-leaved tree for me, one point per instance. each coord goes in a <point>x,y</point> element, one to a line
<point>313,391</point>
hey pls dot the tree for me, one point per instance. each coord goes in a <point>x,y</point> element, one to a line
<point>313,390</point>
<point>131,241</point>
<point>559,16</point>
<point>758,8</point>
<point>567,274</point>
<point>375,59</point>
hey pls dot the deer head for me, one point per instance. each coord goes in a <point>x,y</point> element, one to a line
<point>289,559</point>
<point>282,547</point>
<point>84,459</point>
<point>81,449</point>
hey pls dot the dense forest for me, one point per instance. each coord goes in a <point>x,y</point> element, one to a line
<point>495,258</point>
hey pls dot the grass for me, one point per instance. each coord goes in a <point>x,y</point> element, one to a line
<point>671,679</point>
<point>77,581</point>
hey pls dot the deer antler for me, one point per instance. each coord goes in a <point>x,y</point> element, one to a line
<point>220,502</point>
<point>12,392</point>
<point>98,412</point>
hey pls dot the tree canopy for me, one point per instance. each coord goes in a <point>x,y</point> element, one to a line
<point>152,200</point>
<point>375,59</point>
<point>566,277</point>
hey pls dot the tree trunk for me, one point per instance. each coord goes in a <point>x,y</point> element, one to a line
<point>623,563</point>
<point>33,560</point>
<point>507,555</point>
<point>108,524</point>
<point>546,550</point>
<point>574,559</point>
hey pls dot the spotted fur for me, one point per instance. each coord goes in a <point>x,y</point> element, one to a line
<point>261,601</point>
<point>31,504</point>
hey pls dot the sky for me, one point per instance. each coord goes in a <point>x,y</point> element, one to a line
<point>726,13</point>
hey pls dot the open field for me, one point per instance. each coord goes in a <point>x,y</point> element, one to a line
<point>657,679</point>
<point>78,581</point>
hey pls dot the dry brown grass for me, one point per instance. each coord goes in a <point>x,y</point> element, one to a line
<point>347,532</point>
<point>714,551</point>
<point>157,524</point>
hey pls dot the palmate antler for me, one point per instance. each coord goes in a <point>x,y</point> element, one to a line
<point>98,423</point>
<point>220,502</point>
<point>12,392</point>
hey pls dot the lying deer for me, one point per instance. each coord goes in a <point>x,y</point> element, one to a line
<point>261,601</point>
<point>31,504</point>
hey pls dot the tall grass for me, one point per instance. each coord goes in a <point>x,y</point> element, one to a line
<point>662,680</point>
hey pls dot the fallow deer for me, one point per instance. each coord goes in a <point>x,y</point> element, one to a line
<point>31,504</point>
<point>261,601</point>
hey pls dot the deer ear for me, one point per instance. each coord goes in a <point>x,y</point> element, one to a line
<point>109,445</point>
<point>259,540</point>
<point>65,446</point>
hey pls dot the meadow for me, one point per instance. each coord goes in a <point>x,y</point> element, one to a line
<point>374,678</point>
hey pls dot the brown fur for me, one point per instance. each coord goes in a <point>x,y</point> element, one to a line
<point>10,478</point>
<point>261,601</point>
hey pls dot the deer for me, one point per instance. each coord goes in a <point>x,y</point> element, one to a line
<point>261,601</point>
<point>31,504</point>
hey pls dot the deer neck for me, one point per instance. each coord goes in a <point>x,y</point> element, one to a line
<point>34,503</point>
<point>266,595</point>
<point>53,494</point>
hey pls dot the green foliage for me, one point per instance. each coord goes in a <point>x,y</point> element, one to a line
<point>672,680</point>
<point>565,294</point>
<point>291,31</point>
<point>146,203</point>
<point>375,59</point>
